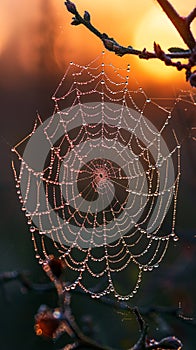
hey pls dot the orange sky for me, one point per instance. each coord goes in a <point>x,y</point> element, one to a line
<point>37,35</point>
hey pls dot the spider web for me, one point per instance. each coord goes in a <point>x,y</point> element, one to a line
<point>97,179</point>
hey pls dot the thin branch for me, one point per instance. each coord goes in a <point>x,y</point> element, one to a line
<point>191,16</point>
<point>141,343</point>
<point>140,320</point>
<point>144,311</point>
<point>182,24</point>
<point>81,339</point>
<point>47,318</point>
<point>111,44</point>
<point>22,278</point>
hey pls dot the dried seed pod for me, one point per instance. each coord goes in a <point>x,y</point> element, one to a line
<point>56,266</point>
<point>46,324</point>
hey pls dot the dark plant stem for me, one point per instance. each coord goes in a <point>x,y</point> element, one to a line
<point>182,24</point>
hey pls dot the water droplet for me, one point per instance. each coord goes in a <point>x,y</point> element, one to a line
<point>57,314</point>
<point>32,229</point>
<point>42,233</point>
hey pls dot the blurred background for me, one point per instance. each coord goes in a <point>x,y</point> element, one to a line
<point>36,44</point>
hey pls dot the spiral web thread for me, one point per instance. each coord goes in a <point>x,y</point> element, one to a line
<point>124,235</point>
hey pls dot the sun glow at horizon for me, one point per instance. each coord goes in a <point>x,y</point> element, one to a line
<point>159,29</point>
<point>50,42</point>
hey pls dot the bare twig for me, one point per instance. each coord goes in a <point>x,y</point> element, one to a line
<point>182,24</point>
<point>53,323</point>
<point>191,16</point>
<point>141,343</point>
<point>22,278</point>
<point>175,312</point>
<point>83,341</point>
<point>111,44</point>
